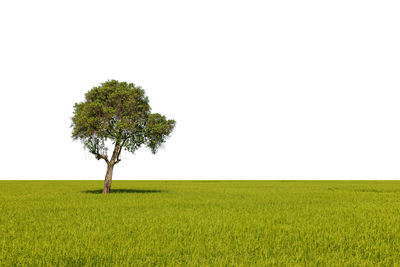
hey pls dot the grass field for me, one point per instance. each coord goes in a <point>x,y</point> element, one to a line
<point>181,223</point>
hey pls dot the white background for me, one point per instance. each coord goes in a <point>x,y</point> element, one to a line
<point>259,89</point>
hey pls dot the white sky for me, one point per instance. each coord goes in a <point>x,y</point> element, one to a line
<point>259,89</point>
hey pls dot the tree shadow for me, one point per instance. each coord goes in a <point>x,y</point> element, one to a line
<point>123,191</point>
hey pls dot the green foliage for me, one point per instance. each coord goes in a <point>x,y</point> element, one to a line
<point>118,112</point>
<point>157,129</point>
<point>200,223</point>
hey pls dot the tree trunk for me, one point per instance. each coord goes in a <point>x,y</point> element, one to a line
<point>108,179</point>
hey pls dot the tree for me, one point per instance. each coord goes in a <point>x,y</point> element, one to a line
<point>118,114</point>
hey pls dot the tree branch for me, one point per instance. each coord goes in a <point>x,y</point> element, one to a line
<point>110,133</point>
<point>101,156</point>
<point>119,151</point>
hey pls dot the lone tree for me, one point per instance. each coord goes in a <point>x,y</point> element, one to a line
<point>118,113</point>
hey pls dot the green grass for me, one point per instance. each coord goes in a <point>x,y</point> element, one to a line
<point>192,223</point>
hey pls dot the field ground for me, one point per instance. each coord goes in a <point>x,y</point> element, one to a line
<point>186,223</point>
